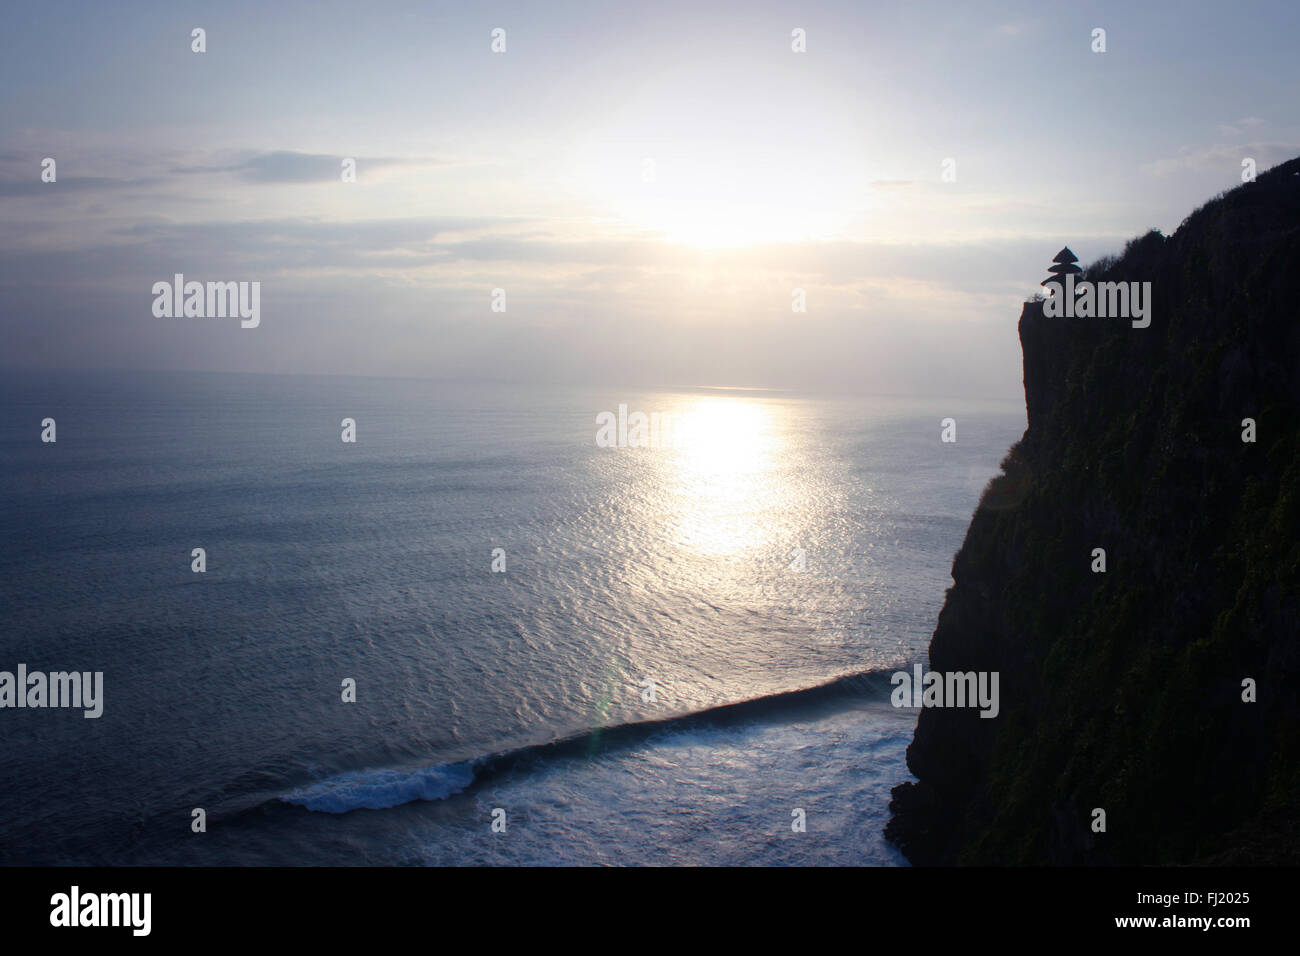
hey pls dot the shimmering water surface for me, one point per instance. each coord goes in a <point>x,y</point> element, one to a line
<point>373,561</point>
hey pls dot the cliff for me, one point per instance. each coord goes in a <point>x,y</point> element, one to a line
<point>1123,690</point>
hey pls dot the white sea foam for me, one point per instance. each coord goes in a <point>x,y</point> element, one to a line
<point>379,789</point>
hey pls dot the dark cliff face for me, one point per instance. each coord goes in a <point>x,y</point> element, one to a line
<point>1123,690</point>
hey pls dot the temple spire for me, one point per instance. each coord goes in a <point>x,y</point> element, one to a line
<point>1064,264</point>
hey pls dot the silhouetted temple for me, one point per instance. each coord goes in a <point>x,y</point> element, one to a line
<point>1064,265</point>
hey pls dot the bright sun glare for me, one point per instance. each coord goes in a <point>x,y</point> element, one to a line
<point>724,473</point>
<point>713,223</point>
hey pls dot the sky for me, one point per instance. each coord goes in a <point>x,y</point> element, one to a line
<point>648,183</point>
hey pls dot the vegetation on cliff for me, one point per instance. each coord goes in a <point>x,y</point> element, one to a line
<point>1123,690</point>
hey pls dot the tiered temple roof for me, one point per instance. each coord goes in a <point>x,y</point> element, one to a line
<point>1064,265</point>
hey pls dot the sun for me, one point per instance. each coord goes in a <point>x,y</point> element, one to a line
<point>725,222</point>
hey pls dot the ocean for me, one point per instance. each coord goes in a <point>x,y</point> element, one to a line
<point>559,653</point>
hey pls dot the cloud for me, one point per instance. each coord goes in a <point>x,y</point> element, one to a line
<point>286,166</point>
<point>1222,158</point>
<point>1016,28</point>
<point>280,167</point>
<point>33,186</point>
<point>1236,129</point>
